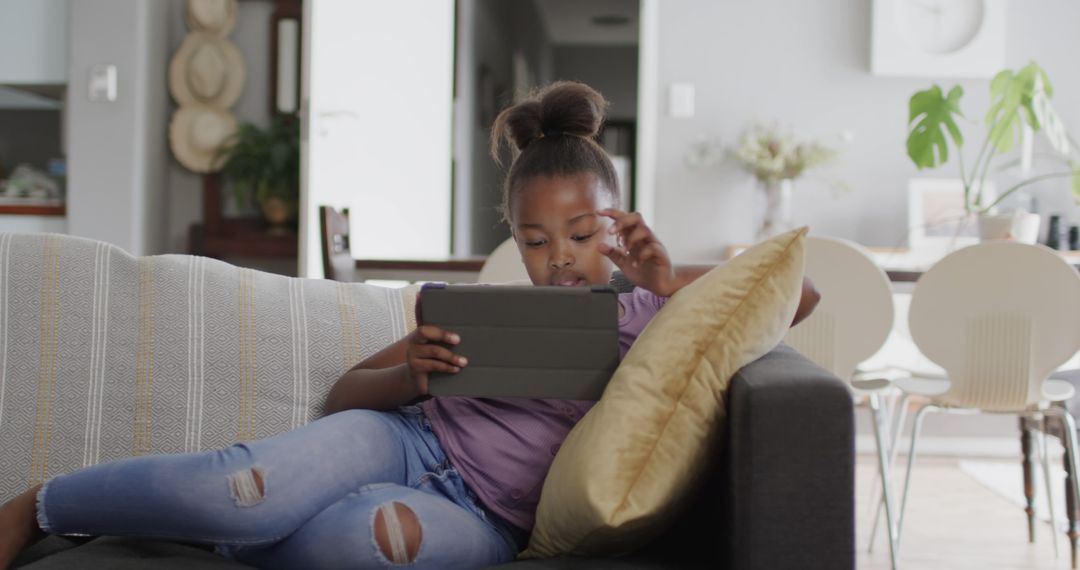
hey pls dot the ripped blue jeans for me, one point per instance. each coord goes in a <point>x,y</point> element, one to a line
<point>357,489</point>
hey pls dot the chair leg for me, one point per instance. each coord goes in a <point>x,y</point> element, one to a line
<point>876,498</point>
<point>898,427</point>
<point>1044,458</point>
<point>1070,453</point>
<point>915,429</point>
<point>1070,499</point>
<point>1029,481</point>
<point>899,411</point>
<point>880,425</point>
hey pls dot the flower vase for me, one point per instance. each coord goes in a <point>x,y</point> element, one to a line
<point>777,217</point>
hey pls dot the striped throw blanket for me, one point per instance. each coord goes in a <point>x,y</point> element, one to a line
<point>104,355</point>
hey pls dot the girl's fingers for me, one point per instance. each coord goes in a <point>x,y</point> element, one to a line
<point>618,215</point>
<point>640,237</point>
<point>435,352</point>
<point>637,244</point>
<point>616,255</point>
<point>650,252</point>
<point>426,366</point>
<point>432,333</point>
<point>625,224</point>
<point>613,213</point>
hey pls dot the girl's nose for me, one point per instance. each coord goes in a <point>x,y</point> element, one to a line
<point>558,262</point>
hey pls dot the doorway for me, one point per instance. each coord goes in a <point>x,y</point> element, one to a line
<point>374,76</point>
<point>507,48</point>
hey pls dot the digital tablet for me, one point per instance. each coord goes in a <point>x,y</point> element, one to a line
<point>526,342</point>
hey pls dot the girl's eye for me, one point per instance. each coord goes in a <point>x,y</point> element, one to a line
<point>583,238</point>
<point>534,243</point>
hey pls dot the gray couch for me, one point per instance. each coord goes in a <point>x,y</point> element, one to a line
<point>781,494</point>
<point>108,355</point>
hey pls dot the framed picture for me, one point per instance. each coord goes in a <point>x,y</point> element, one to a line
<point>936,212</point>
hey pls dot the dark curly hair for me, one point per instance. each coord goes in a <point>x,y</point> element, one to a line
<point>553,133</point>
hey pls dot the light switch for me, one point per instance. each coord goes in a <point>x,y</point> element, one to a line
<point>681,100</point>
<point>103,83</point>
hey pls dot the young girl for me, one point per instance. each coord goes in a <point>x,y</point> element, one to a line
<point>382,479</point>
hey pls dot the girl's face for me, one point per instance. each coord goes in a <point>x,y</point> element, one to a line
<point>558,230</point>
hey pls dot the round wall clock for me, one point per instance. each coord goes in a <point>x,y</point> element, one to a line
<point>936,38</point>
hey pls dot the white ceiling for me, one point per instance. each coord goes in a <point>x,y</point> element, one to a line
<point>570,21</point>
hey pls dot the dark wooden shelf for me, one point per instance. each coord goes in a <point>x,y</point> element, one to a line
<point>220,237</point>
<point>458,264</point>
<point>30,210</point>
<point>243,238</point>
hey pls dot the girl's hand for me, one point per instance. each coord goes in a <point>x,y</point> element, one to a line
<point>639,254</point>
<point>424,355</point>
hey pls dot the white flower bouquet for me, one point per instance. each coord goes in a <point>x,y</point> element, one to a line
<point>772,156</point>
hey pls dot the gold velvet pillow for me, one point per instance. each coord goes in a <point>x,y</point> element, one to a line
<point>627,468</point>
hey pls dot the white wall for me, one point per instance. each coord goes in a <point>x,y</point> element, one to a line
<point>116,178</point>
<point>806,65</point>
<point>153,104</point>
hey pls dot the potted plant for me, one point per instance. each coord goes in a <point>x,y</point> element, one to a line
<point>263,166</point>
<point>1020,101</point>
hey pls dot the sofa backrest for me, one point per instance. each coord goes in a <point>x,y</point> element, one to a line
<point>105,355</point>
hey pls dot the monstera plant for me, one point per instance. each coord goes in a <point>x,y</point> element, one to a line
<point>1019,100</point>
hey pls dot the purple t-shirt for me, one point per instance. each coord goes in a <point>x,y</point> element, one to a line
<point>503,447</point>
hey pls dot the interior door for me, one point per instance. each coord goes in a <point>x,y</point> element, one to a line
<point>377,94</point>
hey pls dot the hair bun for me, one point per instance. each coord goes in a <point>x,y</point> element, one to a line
<point>562,108</point>
<point>572,108</point>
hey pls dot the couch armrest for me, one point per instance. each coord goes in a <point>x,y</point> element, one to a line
<point>790,466</point>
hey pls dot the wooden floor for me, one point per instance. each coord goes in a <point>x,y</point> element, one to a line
<point>953,522</point>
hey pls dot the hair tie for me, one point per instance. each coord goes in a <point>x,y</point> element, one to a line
<point>552,132</point>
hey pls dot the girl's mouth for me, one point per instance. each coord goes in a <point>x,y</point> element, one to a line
<point>568,281</point>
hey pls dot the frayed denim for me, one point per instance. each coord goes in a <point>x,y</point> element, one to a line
<point>358,489</point>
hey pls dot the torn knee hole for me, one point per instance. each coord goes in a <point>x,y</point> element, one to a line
<point>248,487</point>
<point>397,532</point>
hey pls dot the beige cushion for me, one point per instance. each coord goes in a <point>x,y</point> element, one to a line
<point>627,467</point>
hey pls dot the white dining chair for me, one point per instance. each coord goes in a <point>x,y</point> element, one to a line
<point>999,317</point>
<point>849,325</point>
<point>504,265</point>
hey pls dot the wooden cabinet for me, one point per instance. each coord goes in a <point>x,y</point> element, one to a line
<point>222,237</point>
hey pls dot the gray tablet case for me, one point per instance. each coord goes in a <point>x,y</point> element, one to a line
<point>526,342</point>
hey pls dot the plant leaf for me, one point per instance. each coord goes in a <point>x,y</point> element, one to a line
<point>1003,118</point>
<point>260,163</point>
<point>1043,112</point>
<point>930,118</point>
<point>1023,98</point>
